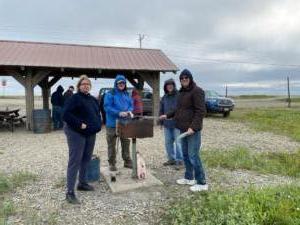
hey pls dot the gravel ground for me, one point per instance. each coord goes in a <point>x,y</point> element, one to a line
<point>42,202</point>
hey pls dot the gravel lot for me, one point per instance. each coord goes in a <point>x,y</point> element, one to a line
<point>46,156</point>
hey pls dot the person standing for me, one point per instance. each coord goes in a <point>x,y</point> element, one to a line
<point>57,101</point>
<point>188,117</point>
<point>117,105</point>
<point>82,121</point>
<point>68,94</point>
<point>168,103</point>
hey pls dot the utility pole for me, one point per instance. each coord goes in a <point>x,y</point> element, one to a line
<point>289,94</point>
<point>226,91</point>
<point>141,38</point>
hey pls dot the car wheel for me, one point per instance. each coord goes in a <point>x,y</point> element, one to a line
<point>226,114</point>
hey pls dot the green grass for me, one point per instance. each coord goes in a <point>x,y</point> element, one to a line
<point>280,163</point>
<point>268,206</point>
<point>280,121</point>
<point>253,96</point>
<point>8,184</point>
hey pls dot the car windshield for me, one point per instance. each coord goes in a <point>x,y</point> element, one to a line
<point>211,94</point>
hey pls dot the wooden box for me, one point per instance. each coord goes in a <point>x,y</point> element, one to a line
<point>135,128</point>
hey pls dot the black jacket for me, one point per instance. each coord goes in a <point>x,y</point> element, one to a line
<point>83,108</point>
<point>57,98</point>
<point>190,109</point>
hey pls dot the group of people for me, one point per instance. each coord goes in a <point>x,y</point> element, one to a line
<point>180,112</point>
<point>58,100</point>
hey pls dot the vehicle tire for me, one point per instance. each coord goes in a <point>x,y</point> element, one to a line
<point>226,114</point>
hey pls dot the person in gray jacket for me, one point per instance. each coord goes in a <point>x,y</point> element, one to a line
<point>168,103</point>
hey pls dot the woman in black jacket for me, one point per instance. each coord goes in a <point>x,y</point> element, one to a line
<point>82,122</point>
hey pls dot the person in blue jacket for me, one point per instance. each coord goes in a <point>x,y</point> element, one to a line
<point>82,121</point>
<point>117,104</point>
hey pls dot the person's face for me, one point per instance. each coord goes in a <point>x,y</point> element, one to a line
<point>121,85</point>
<point>85,86</point>
<point>170,87</point>
<point>185,81</point>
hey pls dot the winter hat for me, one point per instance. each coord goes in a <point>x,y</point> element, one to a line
<point>186,73</point>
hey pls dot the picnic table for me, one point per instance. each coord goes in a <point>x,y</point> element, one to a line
<point>11,118</point>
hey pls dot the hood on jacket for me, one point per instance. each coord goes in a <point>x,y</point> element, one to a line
<point>119,78</point>
<point>60,89</point>
<point>187,73</point>
<point>167,82</point>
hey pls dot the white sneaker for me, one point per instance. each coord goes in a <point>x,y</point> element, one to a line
<point>199,187</point>
<point>184,181</point>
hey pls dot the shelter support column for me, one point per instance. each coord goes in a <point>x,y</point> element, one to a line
<point>29,97</point>
<point>156,93</point>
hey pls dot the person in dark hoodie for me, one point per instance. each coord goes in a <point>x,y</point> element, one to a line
<point>168,103</point>
<point>117,104</point>
<point>188,117</point>
<point>82,122</point>
<point>57,101</point>
<point>68,94</point>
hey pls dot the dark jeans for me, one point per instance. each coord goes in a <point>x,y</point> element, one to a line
<point>57,117</point>
<point>191,156</point>
<point>80,153</point>
<point>111,138</point>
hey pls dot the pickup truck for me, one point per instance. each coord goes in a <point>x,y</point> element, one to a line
<point>216,103</point>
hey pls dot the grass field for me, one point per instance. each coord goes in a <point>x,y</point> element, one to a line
<point>268,206</point>
<point>282,121</point>
<point>253,96</point>
<point>281,163</point>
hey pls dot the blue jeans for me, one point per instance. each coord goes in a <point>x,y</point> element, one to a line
<point>191,156</point>
<point>57,117</point>
<point>173,148</point>
<point>80,153</point>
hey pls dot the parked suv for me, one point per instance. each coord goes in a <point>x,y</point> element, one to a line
<point>146,98</point>
<point>216,103</point>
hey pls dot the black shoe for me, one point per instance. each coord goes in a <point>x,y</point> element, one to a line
<point>128,164</point>
<point>113,168</point>
<point>85,187</point>
<point>169,163</point>
<point>71,198</point>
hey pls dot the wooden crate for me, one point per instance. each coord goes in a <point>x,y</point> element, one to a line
<point>135,128</point>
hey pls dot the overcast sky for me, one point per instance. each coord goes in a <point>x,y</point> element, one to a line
<point>251,45</point>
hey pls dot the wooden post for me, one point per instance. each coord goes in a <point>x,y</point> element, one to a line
<point>29,94</point>
<point>226,91</point>
<point>156,93</point>
<point>289,94</point>
<point>45,94</point>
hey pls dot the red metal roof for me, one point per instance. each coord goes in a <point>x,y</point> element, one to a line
<point>17,53</point>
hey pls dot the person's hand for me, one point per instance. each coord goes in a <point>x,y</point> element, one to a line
<point>123,114</point>
<point>130,114</point>
<point>163,117</point>
<point>83,126</point>
<point>190,131</point>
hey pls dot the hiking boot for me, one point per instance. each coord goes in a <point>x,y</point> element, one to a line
<point>179,165</point>
<point>113,168</point>
<point>71,198</point>
<point>85,187</point>
<point>128,164</point>
<point>169,163</point>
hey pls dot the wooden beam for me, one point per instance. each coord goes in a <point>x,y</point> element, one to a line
<point>156,93</point>
<point>54,80</point>
<point>19,78</point>
<point>29,96</point>
<point>39,76</point>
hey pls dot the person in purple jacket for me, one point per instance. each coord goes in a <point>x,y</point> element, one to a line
<point>82,121</point>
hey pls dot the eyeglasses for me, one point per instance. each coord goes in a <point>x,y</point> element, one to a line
<point>184,78</point>
<point>121,83</point>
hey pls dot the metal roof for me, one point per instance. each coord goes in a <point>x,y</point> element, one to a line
<point>37,54</point>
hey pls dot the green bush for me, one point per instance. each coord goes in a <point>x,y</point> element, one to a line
<point>282,163</point>
<point>269,206</point>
